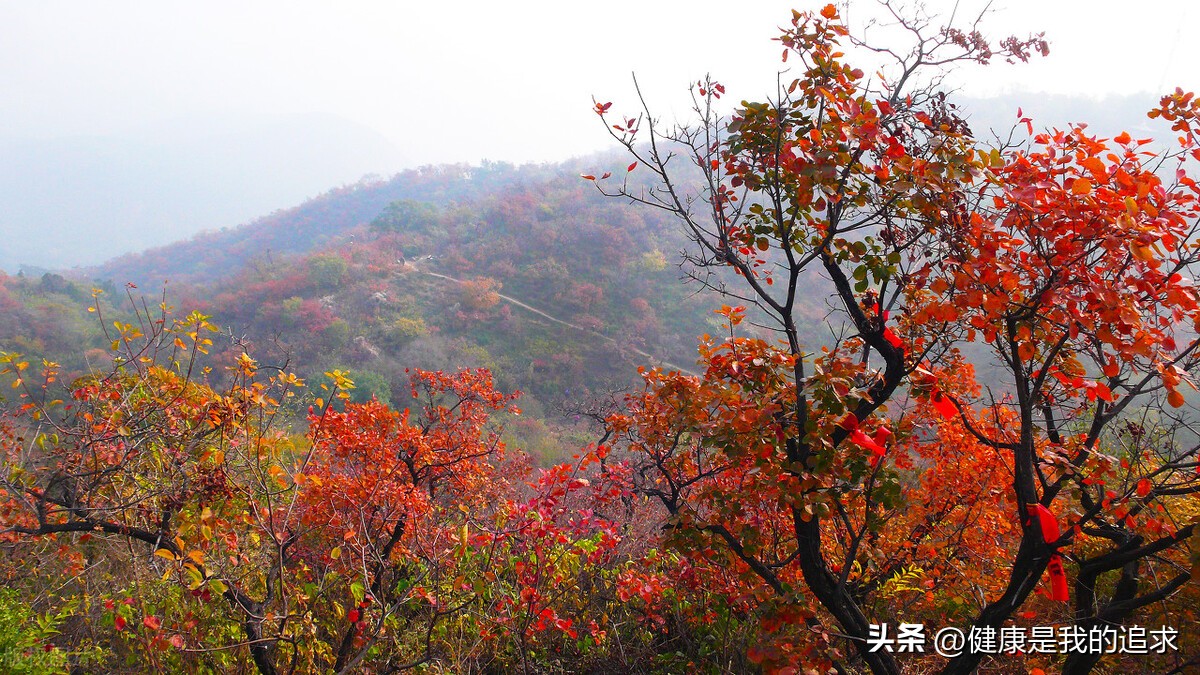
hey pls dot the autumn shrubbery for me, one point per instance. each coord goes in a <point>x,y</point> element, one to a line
<point>184,527</point>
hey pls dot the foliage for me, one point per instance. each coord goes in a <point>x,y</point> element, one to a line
<point>825,473</point>
<point>268,483</point>
<point>26,638</point>
<point>376,539</point>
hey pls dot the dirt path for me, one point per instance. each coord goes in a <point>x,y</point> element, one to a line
<point>544,315</point>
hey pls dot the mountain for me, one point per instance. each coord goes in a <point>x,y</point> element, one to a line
<point>79,201</point>
<point>528,271</point>
<point>525,270</point>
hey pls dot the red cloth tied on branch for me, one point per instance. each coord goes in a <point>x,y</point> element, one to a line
<point>943,404</point>
<point>1049,526</point>
<point>888,336</point>
<point>859,438</point>
<point>891,338</point>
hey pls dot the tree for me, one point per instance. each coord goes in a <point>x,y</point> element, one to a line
<point>295,553</point>
<point>406,215</point>
<point>807,467</point>
<point>326,271</point>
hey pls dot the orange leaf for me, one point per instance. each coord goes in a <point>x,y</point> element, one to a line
<point>829,12</point>
<point>1175,398</point>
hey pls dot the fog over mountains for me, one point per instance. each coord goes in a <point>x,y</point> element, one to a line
<point>79,201</point>
<point>82,200</point>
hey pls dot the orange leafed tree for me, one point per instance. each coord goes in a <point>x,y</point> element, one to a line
<point>839,477</point>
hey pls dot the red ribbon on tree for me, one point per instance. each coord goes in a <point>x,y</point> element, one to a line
<point>1049,527</point>
<point>943,404</point>
<point>857,437</point>
<point>888,335</point>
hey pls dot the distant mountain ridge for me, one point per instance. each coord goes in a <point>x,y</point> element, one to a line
<point>309,226</point>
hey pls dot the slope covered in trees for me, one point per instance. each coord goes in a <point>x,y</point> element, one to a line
<point>527,271</point>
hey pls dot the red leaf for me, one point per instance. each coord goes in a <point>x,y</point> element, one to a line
<point>152,622</point>
<point>1144,486</point>
<point>631,167</point>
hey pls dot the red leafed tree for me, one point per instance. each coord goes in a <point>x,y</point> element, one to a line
<point>238,542</point>
<point>836,477</point>
<point>394,490</point>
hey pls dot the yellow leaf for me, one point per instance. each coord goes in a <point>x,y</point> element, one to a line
<point>336,552</point>
<point>165,553</point>
<point>1141,251</point>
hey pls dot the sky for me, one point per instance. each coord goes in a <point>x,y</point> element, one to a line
<point>406,84</point>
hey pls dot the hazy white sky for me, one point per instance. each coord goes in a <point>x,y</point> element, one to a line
<point>130,124</point>
<point>469,80</point>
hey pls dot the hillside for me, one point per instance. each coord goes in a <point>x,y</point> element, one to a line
<point>528,271</point>
<point>210,256</point>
